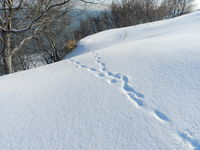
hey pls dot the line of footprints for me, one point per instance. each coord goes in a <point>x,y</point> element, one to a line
<point>121,81</point>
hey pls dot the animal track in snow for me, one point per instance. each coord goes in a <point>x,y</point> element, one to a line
<point>78,64</point>
<point>121,82</point>
<point>138,101</point>
<point>123,36</point>
<point>161,116</point>
<point>187,137</point>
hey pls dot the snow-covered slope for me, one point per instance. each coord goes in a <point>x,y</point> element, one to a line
<point>132,88</point>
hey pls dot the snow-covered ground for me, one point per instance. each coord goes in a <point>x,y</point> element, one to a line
<point>135,88</point>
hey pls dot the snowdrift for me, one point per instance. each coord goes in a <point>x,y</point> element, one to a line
<point>122,89</point>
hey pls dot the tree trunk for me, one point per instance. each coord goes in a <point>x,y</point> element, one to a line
<point>7,59</point>
<point>7,65</point>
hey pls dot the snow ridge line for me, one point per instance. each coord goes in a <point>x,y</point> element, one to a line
<point>121,82</point>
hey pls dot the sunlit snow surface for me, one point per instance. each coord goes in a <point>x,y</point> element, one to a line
<point>135,88</point>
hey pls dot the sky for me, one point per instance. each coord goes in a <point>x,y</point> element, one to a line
<point>198,3</point>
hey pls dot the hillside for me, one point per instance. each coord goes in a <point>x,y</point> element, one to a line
<point>122,89</point>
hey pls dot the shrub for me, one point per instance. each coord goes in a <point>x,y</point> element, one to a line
<point>71,44</point>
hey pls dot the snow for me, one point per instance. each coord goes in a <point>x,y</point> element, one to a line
<point>129,88</point>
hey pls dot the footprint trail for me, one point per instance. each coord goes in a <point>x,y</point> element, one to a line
<point>187,137</point>
<point>121,82</point>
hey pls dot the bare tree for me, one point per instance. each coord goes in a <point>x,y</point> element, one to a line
<point>27,18</point>
<point>175,8</point>
<point>132,12</point>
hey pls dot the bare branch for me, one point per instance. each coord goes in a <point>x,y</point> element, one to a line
<point>21,45</point>
<point>16,31</point>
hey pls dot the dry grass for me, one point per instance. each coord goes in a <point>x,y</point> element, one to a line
<point>71,44</point>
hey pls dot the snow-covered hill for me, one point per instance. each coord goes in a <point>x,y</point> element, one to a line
<point>132,88</point>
